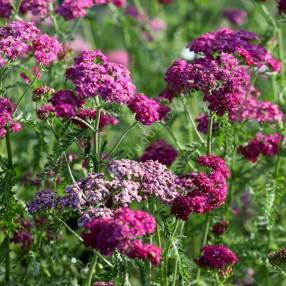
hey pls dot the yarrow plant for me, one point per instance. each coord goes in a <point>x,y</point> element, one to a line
<point>142,146</point>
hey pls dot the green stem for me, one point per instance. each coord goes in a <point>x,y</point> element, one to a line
<point>166,254</point>
<point>91,270</point>
<point>191,118</point>
<point>281,53</point>
<point>67,227</point>
<point>173,136</point>
<point>7,195</point>
<point>278,161</point>
<point>96,150</point>
<point>114,148</point>
<point>208,216</point>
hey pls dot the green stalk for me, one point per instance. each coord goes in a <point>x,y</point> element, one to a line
<point>96,149</point>
<point>191,119</point>
<point>114,148</point>
<point>7,193</point>
<point>91,270</point>
<point>166,254</point>
<point>208,216</point>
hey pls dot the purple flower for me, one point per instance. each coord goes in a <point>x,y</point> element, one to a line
<point>216,257</point>
<point>101,283</point>
<point>160,151</point>
<point>203,123</point>
<point>7,108</point>
<point>36,7</point>
<point>46,49</point>
<point>235,16</point>
<point>5,8</point>
<point>43,200</point>
<point>147,110</point>
<point>262,144</point>
<point>73,9</point>
<point>93,74</point>
<point>281,5</point>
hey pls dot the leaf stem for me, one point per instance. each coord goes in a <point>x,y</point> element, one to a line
<point>91,270</point>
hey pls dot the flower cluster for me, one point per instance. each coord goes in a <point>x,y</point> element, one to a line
<point>220,227</point>
<point>216,257</point>
<point>19,38</point>
<point>73,9</point>
<point>240,43</point>
<point>277,258</point>
<point>7,108</point>
<point>223,81</point>
<point>262,144</point>
<point>257,110</point>
<point>94,75</point>
<point>235,16</point>
<point>204,191</point>
<point>147,110</point>
<point>160,151</point>
<point>281,6</point>
<point>43,200</point>
<point>5,9</point>
<point>65,104</point>
<point>23,235</point>
<point>36,7</point>
<point>154,178</point>
<point>121,232</point>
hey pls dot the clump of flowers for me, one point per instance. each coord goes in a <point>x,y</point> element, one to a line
<point>217,257</point>
<point>23,235</point>
<point>281,5</point>
<point>121,232</point>
<point>257,110</point>
<point>239,43</point>
<point>147,110</point>
<point>36,7</point>
<point>94,75</point>
<point>43,200</point>
<point>235,16</point>
<point>103,284</point>
<point>160,151</point>
<point>277,258</point>
<point>7,108</point>
<point>19,38</point>
<point>204,192</point>
<point>223,81</point>
<point>220,227</point>
<point>154,178</point>
<point>262,144</point>
<point>5,9</point>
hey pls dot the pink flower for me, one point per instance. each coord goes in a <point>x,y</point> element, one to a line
<point>119,57</point>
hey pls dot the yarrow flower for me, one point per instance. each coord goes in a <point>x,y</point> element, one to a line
<point>19,38</point>
<point>217,257</point>
<point>73,9</point>
<point>160,151</point>
<point>203,123</point>
<point>43,200</point>
<point>7,108</point>
<point>235,16</point>
<point>239,43</point>
<point>257,110</point>
<point>223,81</point>
<point>147,110</point>
<point>204,192</point>
<point>281,5</point>
<point>262,144</point>
<point>5,8</point>
<point>220,227</point>
<point>154,178</point>
<point>120,232</point>
<point>94,75</point>
<point>36,7</point>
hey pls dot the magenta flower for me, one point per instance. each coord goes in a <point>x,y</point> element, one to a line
<point>5,8</point>
<point>73,9</point>
<point>216,257</point>
<point>160,151</point>
<point>147,110</point>
<point>36,7</point>
<point>93,74</point>
<point>235,16</point>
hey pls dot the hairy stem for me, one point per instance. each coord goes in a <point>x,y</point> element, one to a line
<point>91,270</point>
<point>123,135</point>
<point>189,114</point>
